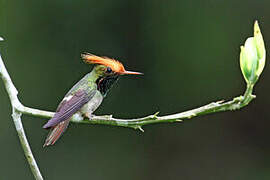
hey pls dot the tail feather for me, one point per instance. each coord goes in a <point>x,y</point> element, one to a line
<point>56,133</point>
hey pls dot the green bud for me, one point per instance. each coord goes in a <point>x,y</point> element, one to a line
<point>252,56</point>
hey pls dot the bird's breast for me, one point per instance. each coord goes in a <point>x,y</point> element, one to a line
<point>93,104</point>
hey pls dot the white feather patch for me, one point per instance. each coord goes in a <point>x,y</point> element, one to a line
<point>68,98</point>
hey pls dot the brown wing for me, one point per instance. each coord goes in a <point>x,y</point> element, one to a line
<point>69,107</point>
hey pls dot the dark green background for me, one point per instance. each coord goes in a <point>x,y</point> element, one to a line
<point>189,52</point>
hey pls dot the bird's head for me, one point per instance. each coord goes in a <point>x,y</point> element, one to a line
<point>106,72</point>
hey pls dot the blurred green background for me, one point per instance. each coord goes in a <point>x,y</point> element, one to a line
<point>189,52</point>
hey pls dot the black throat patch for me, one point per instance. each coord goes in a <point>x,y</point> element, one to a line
<point>105,83</point>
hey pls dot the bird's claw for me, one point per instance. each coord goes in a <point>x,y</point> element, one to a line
<point>88,115</point>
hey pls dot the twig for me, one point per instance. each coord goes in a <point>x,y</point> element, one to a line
<point>17,107</point>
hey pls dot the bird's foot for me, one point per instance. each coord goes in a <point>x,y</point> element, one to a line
<point>88,115</point>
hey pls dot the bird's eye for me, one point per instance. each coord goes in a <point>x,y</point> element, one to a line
<point>109,70</point>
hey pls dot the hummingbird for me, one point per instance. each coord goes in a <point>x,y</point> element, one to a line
<point>86,95</point>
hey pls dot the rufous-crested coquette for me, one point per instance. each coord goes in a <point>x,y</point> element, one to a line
<point>85,96</point>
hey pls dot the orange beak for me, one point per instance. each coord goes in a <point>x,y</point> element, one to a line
<point>131,72</point>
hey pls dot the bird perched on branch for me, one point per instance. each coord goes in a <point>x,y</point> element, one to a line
<point>85,96</point>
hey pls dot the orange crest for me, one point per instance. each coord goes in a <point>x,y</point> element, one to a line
<point>115,65</point>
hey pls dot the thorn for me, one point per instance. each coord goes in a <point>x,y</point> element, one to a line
<point>191,115</point>
<point>253,96</point>
<point>238,99</point>
<point>154,116</point>
<point>179,120</point>
<point>110,116</point>
<point>221,101</point>
<point>140,128</point>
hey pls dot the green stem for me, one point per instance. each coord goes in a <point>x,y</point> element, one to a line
<point>137,123</point>
<point>248,94</point>
<point>214,107</point>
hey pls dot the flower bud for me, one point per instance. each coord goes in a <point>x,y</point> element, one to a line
<point>252,56</point>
